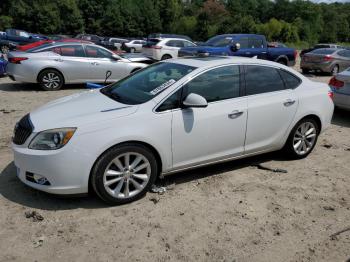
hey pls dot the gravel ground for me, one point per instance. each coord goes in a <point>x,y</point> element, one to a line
<point>227,212</point>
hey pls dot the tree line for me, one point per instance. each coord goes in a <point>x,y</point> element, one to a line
<point>292,21</point>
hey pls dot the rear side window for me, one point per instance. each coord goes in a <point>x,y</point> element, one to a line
<point>262,79</point>
<point>325,51</point>
<point>217,84</point>
<point>256,43</point>
<point>243,42</point>
<point>290,80</point>
<point>68,50</point>
<point>344,53</point>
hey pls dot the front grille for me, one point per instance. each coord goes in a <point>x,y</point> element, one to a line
<point>22,130</point>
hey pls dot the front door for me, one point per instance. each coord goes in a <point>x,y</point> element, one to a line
<point>201,135</point>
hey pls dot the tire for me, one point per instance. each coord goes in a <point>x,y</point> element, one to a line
<point>5,49</point>
<point>282,62</point>
<point>298,134</point>
<point>335,70</point>
<point>132,50</point>
<point>165,57</point>
<point>305,71</point>
<point>50,80</point>
<point>111,167</point>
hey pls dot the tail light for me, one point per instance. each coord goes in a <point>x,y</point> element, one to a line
<point>331,94</point>
<point>295,54</point>
<point>334,82</point>
<point>17,60</point>
<point>328,58</point>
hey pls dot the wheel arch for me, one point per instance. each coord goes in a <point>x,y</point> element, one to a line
<point>282,58</point>
<point>137,142</point>
<point>50,68</point>
<point>315,117</point>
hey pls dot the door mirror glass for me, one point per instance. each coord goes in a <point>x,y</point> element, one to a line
<point>194,100</point>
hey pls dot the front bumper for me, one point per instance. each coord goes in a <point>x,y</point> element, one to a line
<point>67,169</point>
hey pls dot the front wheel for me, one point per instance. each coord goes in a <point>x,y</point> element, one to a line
<point>50,80</point>
<point>302,138</point>
<point>165,57</point>
<point>124,173</point>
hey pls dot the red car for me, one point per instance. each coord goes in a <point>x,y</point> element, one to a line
<point>42,42</point>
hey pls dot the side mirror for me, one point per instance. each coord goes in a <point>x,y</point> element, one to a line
<point>235,47</point>
<point>194,100</point>
<point>115,57</point>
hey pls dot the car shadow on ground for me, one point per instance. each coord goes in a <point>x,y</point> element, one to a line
<point>15,191</point>
<point>341,117</point>
<point>18,86</point>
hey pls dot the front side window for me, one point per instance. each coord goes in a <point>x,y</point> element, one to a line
<point>243,42</point>
<point>147,83</point>
<point>96,52</point>
<point>188,44</point>
<point>262,79</point>
<point>256,43</point>
<point>217,84</point>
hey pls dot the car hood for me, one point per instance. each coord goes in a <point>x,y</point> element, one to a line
<point>204,49</point>
<point>135,57</point>
<point>78,110</point>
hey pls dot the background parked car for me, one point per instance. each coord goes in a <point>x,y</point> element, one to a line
<point>161,49</point>
<point>340,85</point>
<point>14,37</point>
<point>247,45</point>
<point>55,64</point>
<point>3,63</point>
<point>318,46</point>
<point>92,38</point>
<point>133,46</point>
<point>113,43</point>
<point>328,60</point>
<point>160,35</point>
<point>43,42</point>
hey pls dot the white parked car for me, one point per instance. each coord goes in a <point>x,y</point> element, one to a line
<point>171,116</point>
<point>135,45</point>
<point>164,48</point>
<point>54,65</point>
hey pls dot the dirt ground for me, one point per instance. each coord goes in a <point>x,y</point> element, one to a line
<point>227,212</point>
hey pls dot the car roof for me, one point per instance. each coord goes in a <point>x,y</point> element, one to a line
<point>212,61</point>
<point>171,38</point>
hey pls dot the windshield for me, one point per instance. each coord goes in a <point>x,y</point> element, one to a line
<point>219,41</point>
<point>146,84</point>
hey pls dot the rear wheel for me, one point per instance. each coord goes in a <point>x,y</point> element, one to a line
<point>302,138</point>
<point>50,80</point>
<point>335,70</point>
<point>165,57</point>
<point>5,49</point>
<point>282,61</point>
<point>132,50</point>
<point>124,173</point>
<point>305,71</point>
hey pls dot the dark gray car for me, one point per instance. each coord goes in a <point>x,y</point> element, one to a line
<point>328,60</point>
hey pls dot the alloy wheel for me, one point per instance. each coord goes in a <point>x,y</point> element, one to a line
<point>127,175</point>
<point>304,138</point>
<point>51,80</point>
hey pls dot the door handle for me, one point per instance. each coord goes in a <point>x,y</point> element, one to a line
<point>288,102</point>
<point>235,114</point>
<point>247,53</point>
<point>94,63</point>
<point>58,60</point>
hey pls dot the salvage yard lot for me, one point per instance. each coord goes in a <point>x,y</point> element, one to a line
<point>227,212</point>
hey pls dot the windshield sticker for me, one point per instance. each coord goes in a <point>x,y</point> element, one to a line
<point>162,87</point>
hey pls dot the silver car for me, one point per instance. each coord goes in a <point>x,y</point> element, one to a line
<point>340,85</point>
<point>53,65</point>
<point>328,60</point>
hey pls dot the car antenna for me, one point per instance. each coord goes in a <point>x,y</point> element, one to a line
<point>108,74</point>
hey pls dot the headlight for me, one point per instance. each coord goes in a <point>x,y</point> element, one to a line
<point>52,139</point>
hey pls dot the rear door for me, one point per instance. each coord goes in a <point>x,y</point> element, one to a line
<point>257,48</point>
<point>72,63</point>
<point>272,105</point>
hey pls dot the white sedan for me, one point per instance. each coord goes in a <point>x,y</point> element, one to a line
<point>171,116</point>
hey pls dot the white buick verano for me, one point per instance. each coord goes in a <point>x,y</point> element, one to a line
<point>173,115</point>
